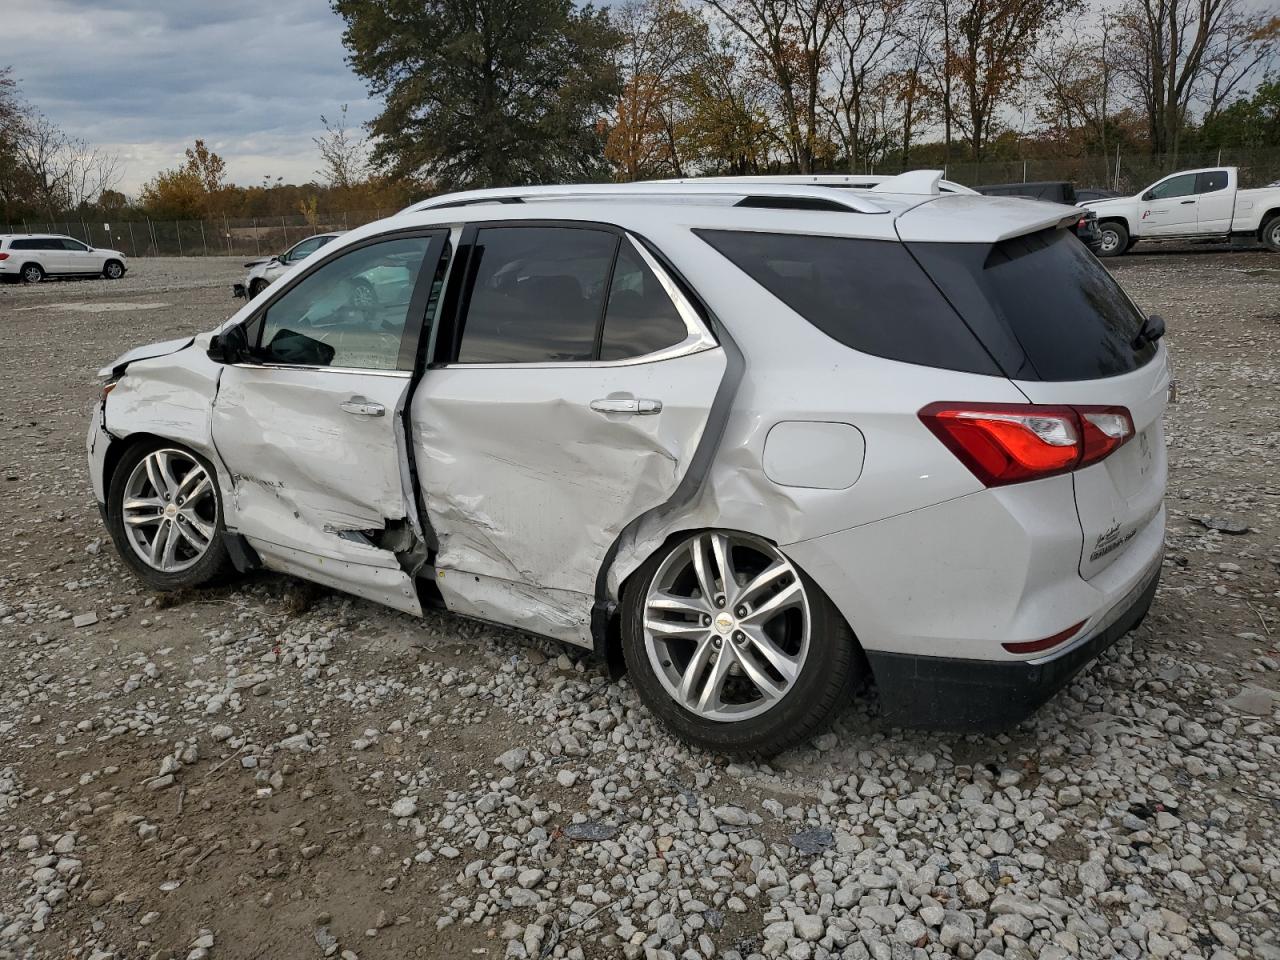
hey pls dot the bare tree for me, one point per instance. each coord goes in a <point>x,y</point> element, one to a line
<point>64,173</point>
<point>344,154</point>
<point>1075,77</point>
<point>1175,51</point>
<point>865,40</point>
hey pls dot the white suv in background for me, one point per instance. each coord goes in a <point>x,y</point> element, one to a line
<point>753,440</point>
<point>30,257</point>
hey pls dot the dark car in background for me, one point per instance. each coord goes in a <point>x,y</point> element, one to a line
<point>1053,191</point>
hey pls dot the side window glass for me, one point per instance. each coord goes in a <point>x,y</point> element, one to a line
<point>74,245</point>
<point>351,312</point>
<point>640,317</point>
<point>1183,186</point>
<point>536,294</point>
<point>1211,182</point>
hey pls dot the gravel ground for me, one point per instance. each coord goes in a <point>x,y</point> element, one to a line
<point>273,770</point>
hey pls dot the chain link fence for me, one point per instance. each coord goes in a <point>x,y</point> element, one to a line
<point>265,236</point>
<point>216,236</point>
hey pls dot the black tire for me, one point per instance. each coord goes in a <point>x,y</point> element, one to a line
<point>113,269</point>
<point>32,273</point>
<point>826,680</point>
<point>1115,238</point>
<point>213,565</point>
<point>256,287</point>
<point>1271,234</point>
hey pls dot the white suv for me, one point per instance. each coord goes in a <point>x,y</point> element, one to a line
<point>750,441</point>
<point>30,257</point>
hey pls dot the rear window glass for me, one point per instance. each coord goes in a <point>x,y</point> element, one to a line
<point>867,294</point>
<point>1065,311</point>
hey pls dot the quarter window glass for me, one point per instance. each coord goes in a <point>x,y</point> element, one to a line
<point>640,318</point>
<point>351,312</point>
<point>73,245</point>
<point>867,294</point>
<point>537,294</point>
<point>1182,186</point>
<point>1211,182</point>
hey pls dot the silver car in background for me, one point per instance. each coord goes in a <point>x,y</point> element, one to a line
<point>264,272</point>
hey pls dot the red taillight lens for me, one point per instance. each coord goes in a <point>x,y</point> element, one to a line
<point>1004,443</point>
<point>1035,646</point>
<point>4,256</point>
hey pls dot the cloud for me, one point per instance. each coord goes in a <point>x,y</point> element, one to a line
<point>144,79</point>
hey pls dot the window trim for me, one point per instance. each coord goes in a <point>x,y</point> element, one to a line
<point>415,318</point>
<point>698,336</point>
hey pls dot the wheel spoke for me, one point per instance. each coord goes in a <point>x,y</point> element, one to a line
<point>157,475</point>
<point>159,545</point>
<point>762,644</point>
<point>199,525</point>
<point>694,671</point>
<point>713,687</point>
<point>706,581</point>
<point>672,629</point>
<point>663,603</point>
<point>170,545</point>
<point>723,552</point>
<point>757,675</point>
<point>194,485</point>
<point>789,596</point>
<point>766,577</point>
<point>139,511</point>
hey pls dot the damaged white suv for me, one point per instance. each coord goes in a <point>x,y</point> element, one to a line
<point>752,441</point>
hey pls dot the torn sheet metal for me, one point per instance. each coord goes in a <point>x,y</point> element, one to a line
<point>526,484</point>
<point>375,576</point>
<point>160,349</point>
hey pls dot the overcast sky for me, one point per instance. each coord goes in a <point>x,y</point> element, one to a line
<point>144,78</point>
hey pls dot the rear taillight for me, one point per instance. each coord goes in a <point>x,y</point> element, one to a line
<point>1004,443</point>
<point>4,256</point>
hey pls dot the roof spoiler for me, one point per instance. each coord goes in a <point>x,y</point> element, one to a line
<point>914,181</point>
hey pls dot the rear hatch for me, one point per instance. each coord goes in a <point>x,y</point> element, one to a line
<point>1065,333</point>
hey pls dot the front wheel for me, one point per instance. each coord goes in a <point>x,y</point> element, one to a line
<point>113,270</point>
<point>1115,239</point>
<point>1271,234</point>
<point>733,646</point>
<point>164,514</point>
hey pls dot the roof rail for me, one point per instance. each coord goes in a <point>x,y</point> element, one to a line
<point>804,196</point>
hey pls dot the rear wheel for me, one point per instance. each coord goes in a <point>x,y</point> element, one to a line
<point>164,513</point>
<point>1115,239</point>
<point>1271,234</point>
<point>113,270</point>
<point>32,273</point>
<point>734,647</point>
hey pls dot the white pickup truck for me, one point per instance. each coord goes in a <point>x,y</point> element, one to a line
<point>1193,204</point>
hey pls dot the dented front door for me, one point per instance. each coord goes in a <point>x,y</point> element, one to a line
<point>312,431</point>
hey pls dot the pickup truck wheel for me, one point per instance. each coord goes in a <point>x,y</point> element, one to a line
<point>1115,239</point>
<point>733,647</point>
<point>1271,234</point>
<point>164,513</point>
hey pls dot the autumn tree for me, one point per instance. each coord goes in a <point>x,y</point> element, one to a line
<point>789,41</point>
<point>198,188</point>
<point>992,43</point>
<point>664,45</point>
<point>729,130</point>
<point>865,41</point>
<point>485,92</point>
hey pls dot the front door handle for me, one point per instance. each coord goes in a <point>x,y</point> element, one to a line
<point>363,407</point>
<point>628,406</point>
<point>1185,202</point>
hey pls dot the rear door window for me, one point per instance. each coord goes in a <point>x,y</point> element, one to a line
<point>550,294</point>
<point>867,294</point>
<point>1066,313</point>
<point>1211,182</point>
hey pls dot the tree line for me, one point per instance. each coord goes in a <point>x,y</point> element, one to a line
<point>489,92</point>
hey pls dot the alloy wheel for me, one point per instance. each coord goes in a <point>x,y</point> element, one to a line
<point>114,271</point>
<point>32,274</point>
<point>726,626</point>
<point>170,510</point>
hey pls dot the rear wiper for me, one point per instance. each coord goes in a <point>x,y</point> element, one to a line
<point>1152,330</point>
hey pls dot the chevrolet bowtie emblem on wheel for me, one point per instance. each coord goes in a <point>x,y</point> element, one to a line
<point>724,623</point>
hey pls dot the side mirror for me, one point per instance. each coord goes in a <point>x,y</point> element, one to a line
<point>230,346</point>
<point>1149,195</point>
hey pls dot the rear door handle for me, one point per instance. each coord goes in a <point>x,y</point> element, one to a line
<point>628,406</point>
<point>363,407</point>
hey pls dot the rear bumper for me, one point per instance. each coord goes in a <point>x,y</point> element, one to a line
<point>982,695</point>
